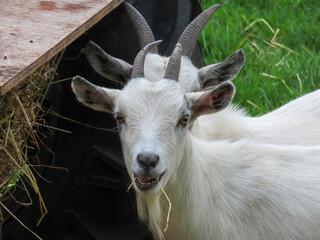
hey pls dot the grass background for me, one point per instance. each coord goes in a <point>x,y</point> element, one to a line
<point>281,40</point>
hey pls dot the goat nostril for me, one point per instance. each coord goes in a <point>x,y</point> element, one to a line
<point>157,159</point>
<point>148,160</point>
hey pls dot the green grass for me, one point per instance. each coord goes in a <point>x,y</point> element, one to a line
<point>276,71</point>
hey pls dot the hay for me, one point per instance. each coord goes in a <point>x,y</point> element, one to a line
<point>131,184</point>
<point>21,116</point>
<point>19,222</point>
<point>169,202</point>
<point>263,48</point>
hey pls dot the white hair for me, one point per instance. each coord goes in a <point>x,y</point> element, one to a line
<point>295,123</point>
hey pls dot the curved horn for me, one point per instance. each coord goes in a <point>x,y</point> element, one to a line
<point>189,37</point>
<point>140,24</point>
<point>173,67</point>
<point>138,65</point>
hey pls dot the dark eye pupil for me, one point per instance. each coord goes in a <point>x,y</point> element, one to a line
<point>119,118</point>
<point>184,120</point>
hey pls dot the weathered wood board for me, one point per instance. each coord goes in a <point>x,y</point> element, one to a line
<point>33,31</point>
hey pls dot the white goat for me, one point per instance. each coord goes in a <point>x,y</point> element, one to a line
<point>231,123</point>
<point>219,190</point>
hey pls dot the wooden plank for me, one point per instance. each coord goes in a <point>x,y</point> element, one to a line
<point>33,31</point>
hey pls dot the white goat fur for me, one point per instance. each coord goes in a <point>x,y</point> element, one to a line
<point>302,114</point>
<point>219,190</point>
<point>155,66</point>
<point>296,123</point>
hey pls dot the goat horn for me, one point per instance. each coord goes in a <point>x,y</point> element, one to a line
<point>138,65</point>
<point>173,67</point>
<point>141,26</point>
<point>189,37</point>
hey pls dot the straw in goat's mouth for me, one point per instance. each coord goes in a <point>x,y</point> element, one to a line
<point>168,216</point>
<point>169,210</point>
<point>132,183</point>
<point>146,183</point>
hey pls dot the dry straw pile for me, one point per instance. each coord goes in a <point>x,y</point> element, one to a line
<point>21,120</point>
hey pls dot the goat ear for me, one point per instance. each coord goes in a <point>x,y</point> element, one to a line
<point>95,97</point>
<point>107,66</point>
<point>211,101</point>
<point>215,74</point>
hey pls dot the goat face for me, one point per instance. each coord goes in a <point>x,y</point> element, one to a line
<point>153,120</point>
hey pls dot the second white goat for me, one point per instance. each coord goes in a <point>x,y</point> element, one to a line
<point>303,114</point>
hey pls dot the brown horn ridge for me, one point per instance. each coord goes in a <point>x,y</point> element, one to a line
<point>189,37</point>
<point>144,32</point>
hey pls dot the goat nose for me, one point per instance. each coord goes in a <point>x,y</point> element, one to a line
<point>148,160</point>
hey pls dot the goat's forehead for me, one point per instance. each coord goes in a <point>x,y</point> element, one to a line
<point>140,93</point>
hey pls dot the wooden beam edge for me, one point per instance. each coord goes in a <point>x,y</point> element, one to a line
<point>21,76</point>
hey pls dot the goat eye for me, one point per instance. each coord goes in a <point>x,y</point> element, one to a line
<point>184,120</point>
<point>119,118</point>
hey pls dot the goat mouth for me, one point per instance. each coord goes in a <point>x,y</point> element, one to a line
<point>146,183</point>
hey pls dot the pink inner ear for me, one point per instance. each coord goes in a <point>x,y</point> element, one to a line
<point>211,103</point>
<point>206,103</point>
<point>213,97</point>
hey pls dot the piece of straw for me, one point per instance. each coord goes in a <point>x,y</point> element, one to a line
<point>168,216</point>
<point>275,35</point>
<point>259,20</point>
<point>269,76</point>
<point>253,104</point>
<point>300,84</point>
<point>131,184</point>
<point>20,221</point>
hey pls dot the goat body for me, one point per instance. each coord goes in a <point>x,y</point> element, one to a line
<point>295,123</point>
<point>244,190</point>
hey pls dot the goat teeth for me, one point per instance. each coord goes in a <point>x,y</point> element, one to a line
<point>144,183</point>
<point>147,183</point>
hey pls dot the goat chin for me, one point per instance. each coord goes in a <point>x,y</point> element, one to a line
<point>150,212</point>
